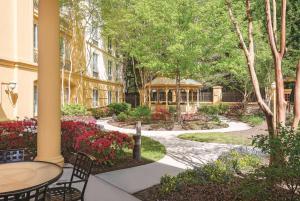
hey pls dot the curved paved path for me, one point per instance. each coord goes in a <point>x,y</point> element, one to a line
<point>181,155</point>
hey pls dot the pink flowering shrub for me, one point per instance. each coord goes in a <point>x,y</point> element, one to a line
<point>84,119</point>
<point>161,113</point>
<point>76,136</point>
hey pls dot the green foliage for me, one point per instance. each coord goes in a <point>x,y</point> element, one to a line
<point>74,110</point>
<point>240,161</point>
<point>100,112</point>
<point>142,113</point>
<point>218,109</point>
<point>172,110</point>
<point>219,172</point>
<point>122,117</point>
<point>253,120</point>
<point>117,108</point>
<point>286,148</point>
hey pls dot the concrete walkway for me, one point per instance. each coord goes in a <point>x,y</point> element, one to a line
<point>181,155</point>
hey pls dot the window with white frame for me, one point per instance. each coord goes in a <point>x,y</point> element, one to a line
<point>35,100</point>
<point>109,45</point>
<point>109,97</point>
<point>95,97</point>
<point>109,70</point>
<point>95,65</point>
<point>35,36</point>
<point>117,72</point>
<point>35,43</point>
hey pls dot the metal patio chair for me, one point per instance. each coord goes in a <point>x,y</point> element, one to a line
<point>81,172</point>
<point>11,155</point>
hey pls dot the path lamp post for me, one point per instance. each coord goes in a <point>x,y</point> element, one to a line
<point>137,142</point>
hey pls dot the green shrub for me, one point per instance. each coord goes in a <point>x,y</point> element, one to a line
<point>172,110</point>
<point>117,108</point>
<point>214,109</point>
<point>285,149</point>
<point>122,117</point>
<point>100,112</point>
<point>74,110</point>
<point>219,172</point>
<point>142,113</point>
<point>239,162</point>
<point>253,120</point>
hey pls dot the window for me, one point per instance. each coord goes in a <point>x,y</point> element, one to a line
<point>35,100</point>
<point>109,70</point>
<point>35,36</point>
<point>109,45</point>
<point>95,97</point>
<point>117,72</point>
<point>94,35</point>
<point>109,97</point>
<point>35,43</point>
<point>95,65</point>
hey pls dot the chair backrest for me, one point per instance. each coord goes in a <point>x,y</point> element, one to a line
<point>34,194</point>
<point>11,155</point>
<point>82,168</point>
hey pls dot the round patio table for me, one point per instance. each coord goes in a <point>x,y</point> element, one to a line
<point>21,176</point>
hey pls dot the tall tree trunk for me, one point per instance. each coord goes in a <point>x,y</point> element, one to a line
<point>297,99</point>
<point>178,96</point>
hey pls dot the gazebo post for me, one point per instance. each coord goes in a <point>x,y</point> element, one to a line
<point>187,100</point>
<point>49,100</point>
<point>166,94</point>
<point>198,97</point>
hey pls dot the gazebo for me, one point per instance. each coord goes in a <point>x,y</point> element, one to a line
<point>162,92</point>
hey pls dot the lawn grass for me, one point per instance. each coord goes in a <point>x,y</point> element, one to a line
<point>224,138</point>
<point>152,150</point>
<point>253,120</point>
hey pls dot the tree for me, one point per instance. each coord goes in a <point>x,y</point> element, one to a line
<point>278,119</point>
<point>164,37</point>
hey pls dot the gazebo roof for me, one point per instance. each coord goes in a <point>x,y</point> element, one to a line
<point>164,81</point>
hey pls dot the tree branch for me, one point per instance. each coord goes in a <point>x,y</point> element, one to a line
<point>237,27</point>
<point>283,28</point>
<point>270,29</point>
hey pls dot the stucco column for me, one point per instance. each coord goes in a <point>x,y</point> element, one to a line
<point>217,94</point>
<point>49,130</point>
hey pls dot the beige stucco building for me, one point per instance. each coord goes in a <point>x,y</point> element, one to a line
<point>93,79</point>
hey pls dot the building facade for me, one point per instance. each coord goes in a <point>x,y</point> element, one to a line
<point>91,72</point>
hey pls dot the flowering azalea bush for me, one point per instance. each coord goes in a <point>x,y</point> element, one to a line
<point>76,136</point>
<point>161,113</point>
<point>85,119</point>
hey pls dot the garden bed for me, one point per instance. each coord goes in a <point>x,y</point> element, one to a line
<point>189,122</point>
<point>112,150</point>
<point>235,176</point>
